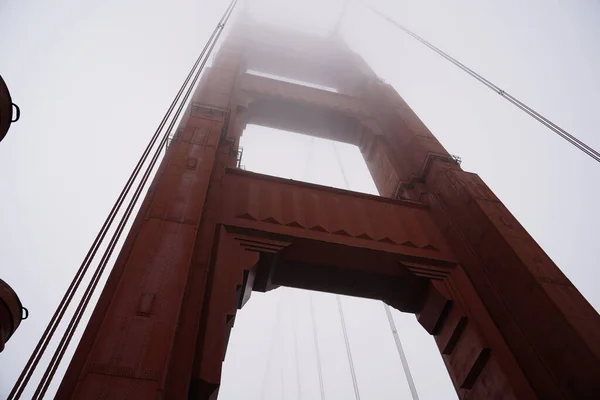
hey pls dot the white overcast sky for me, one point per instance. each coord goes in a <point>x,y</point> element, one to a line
<point>93,79</point>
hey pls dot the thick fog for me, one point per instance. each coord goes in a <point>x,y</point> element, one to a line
<point>93,79</point>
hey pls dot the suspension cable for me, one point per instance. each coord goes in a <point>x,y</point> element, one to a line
<point>312,310</point>
<point>339,160</point>
<point>348,351</point>
<point>32,363</point>
<point>308,157</point>
<point>338,297</point>
<point>296,355</point>
<point>316,342</point>
<point>519,104</point>
<point>272,347</point>
<point>282,386</point>
<point>403,360</point>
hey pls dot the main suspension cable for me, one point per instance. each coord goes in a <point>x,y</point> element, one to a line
<point>522,106</point>
<point>38,352</point>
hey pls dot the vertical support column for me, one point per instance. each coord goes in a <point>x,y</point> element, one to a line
<point>478,360</point>
<point>237,125</point>
<point>197,290</point>
<point>126,349</point>
<point>408,143</point>
<point>141,338</point>
<point>551,330</point>
<point>548,328</point>
<point>229,283</point>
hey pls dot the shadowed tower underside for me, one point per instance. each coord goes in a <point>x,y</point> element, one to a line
<point>436,242</point>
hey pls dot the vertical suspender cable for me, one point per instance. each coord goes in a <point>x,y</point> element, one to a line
<point>42,344</point>
<point>272,348</point>
<point>307,164</point>
<point>38,352</point>
<point>403,360</point>
<point>339,160</point>
<point>312,308</point>
<point>528,110</point>
<point>348,351</point>
<point>317,351</point>
<point>296,355</point>
<point>339,299</point>
<point>409,378</point>
<point>282,386</point>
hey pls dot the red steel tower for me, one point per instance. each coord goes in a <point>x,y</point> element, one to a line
<point>436,242</point>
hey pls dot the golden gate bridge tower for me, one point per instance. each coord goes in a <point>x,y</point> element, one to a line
<point>436,242</point>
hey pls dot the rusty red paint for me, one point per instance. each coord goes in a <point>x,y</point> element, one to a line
<point>508,323</point>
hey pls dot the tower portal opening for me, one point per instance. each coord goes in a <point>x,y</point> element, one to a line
<point>301,157</point>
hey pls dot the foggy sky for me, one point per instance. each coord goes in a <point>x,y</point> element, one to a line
<point>93,80</point>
